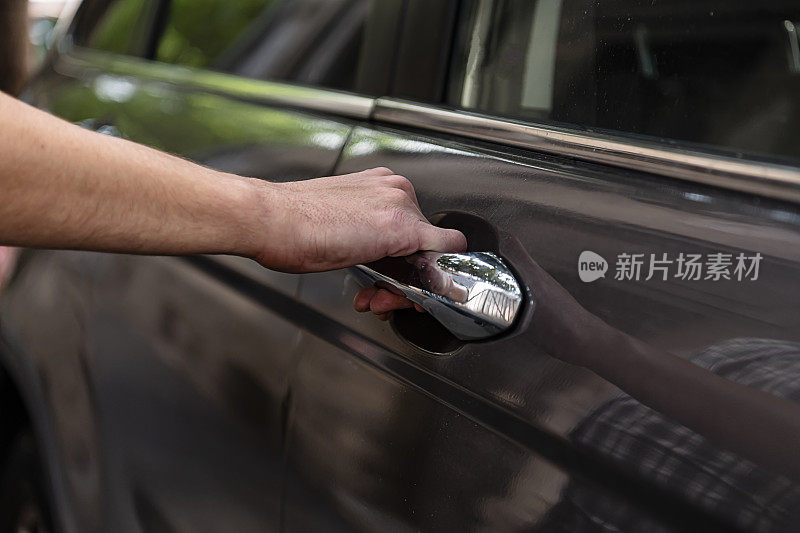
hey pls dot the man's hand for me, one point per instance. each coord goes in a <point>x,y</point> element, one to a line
<point>339,221</point>
<point>65,187</point>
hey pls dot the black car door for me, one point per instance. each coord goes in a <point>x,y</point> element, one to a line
<point>182,363</point>
<point>518,131</point>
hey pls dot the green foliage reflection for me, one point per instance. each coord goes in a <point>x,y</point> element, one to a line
<point>122,27</point>
<point>198,31</point>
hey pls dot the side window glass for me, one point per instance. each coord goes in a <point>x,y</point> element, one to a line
<point>315,42</point>
<point>118,26</point>
<point>724,74</point>
<point>197,32</point>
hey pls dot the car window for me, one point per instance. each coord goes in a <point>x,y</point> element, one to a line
<point>308,41</point>
<point>722,73</point>
<point>198,31</point>
<point>119,26</point>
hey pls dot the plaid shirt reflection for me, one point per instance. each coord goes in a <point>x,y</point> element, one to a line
<point>683,462</point>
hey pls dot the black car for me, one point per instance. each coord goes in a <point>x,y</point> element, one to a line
<point>644,153</point>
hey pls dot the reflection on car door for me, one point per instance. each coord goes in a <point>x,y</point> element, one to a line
<point>397,425</point>
<point>391,420</point>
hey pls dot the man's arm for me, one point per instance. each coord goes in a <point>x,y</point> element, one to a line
<point>65,187</point>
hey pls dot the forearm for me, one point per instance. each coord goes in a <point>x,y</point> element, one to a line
<point>751,422</point>
<point>64,187</point>
<point>737,417</point>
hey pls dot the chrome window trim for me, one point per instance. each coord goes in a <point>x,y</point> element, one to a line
<point>765,179</point>
<point>76,60</point>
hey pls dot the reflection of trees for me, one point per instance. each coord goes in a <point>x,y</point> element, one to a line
<point>121,26</point>
<point>187,123</point>
<point>493,273</point>
<point>198,31</point>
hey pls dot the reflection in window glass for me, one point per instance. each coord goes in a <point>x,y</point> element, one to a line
<point>713,72</point>
<point>316,42</point>
<point>313,42</point>
<point>119,26</point>
<point>198,31</point>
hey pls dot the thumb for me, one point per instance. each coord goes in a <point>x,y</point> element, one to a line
<point>441,240</point>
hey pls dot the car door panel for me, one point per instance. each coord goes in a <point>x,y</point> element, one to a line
<point>558,208</point>
<point>189,376</point>
<point>189,368</point>
<point>371,452</point>
<point>556,212</point>
<point>44,314</point>
<point>226,396</point>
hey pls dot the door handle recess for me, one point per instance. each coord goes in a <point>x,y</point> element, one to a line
<point>474,295</point>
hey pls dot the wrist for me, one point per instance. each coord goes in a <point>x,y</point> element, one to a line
<point>266,229</point>
<point>576,336</point>
<point>254,215</point>
<point>603,346</point>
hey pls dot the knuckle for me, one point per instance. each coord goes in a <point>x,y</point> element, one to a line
<point>405,184</point>
<point>396,196</point>
<point>395,182</point>
<point>381,171</point>
<point>400,181</point>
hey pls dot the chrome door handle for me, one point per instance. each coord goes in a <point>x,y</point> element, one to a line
<point>474,295</point>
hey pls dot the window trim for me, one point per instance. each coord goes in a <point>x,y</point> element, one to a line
<point>670,158</point>
<point>765,179</point>
<point>779,181</point>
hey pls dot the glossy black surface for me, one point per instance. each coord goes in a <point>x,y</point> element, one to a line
<point>209,394</point>
<point>557,209</point>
